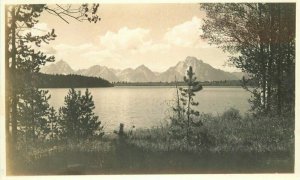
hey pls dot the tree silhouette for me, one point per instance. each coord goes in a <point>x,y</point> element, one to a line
<point>23,61</point>
<point>186,118</point>
<point>53,124</point>
<point>68,81</point>
<point>261,39</point>
<point>32,113</point>
<point>21,57</point>
<point>89,123</point>
<point>78,119</point>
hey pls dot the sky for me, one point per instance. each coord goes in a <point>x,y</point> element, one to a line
<point>130,35</point>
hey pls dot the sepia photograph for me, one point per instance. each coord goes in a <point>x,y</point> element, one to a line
<point>149,88</point>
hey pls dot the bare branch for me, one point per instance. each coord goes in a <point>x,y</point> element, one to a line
<point>51,10</point>
<point>68,9</point>
<point>77,18</point>
<point>64,10</point>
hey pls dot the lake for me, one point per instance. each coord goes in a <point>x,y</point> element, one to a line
<point>145,107</point>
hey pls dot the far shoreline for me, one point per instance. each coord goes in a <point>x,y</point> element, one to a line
<point>169,86</point>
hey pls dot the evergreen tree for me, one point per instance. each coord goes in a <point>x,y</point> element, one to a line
<point>186,122</point>
<point>32,113</point>
<point>71,114</point>
<point>53,125</point>
<point>78,118</point>
<point>89,124</point>
<point>23,60</point>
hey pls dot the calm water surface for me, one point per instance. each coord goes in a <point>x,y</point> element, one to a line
<point>145,107</point>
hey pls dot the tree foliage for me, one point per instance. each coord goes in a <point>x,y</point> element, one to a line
<point>32,113</point>
<point>261,39</point>
<point>68,81</point>
<point>53,125</point>
<point>78,119</point>
<point>185,122</point>
<point>23,60</point>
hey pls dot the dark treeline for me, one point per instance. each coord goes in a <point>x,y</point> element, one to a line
<point>68,81</point>
<point>182,83</point>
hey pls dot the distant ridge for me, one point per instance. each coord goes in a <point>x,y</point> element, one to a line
<point>99,71</point>
<point>68,81</point>
<point>61,67</point>
<point>203,71</point>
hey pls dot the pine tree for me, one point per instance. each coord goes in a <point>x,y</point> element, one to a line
<point>23,61</point>
<point>90,126</point>
<point>32,113</point>
<point>53,125</point>
<point>186,120</point>
<point>78,119</point>
<point>71,114</point>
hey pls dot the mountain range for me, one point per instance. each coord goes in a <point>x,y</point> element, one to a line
<point>203,72</point>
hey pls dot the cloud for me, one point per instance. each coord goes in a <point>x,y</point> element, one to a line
<point>73,54</point>
<point>125,39</point>
<point>151,46</point>
<point>38,29</point>
<point>76,48</point>
<point>101,55</point>
<point>128,46</point>
<point>186,34</point>
<point>136,40</point>
<point>49,50</point>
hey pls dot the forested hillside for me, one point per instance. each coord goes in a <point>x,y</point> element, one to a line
<point>71,80</point>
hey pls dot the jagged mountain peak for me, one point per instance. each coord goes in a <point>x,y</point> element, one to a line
<point>142,73</point>
<point>60,67</point>
<point>97,67</point>
<point>61,61</point>
<point>203,71</point>
<point>191,59</point>
<point>143,68</point>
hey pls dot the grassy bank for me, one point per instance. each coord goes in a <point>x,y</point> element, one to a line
<point>235,144</point>
<point>229,132</point>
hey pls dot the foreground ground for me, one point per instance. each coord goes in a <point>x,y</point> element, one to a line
<point>128,159</point>
<point>234,144</point>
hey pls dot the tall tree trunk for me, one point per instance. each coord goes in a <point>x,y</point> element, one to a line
<point>7,77</point>
<point>263,69</point>
<point>279,60</point>
<point>271,50</point>
<point>290,79</point>
<point>13,77</point>
<point>33,121</point>
<point>188,118</point>
<point>178,101</point>
<point>9,145</point>
<point>269,78</point>
<point>262,58</point>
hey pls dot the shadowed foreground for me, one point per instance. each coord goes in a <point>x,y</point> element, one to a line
<point>231,144</point>
<point>121,158</point>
